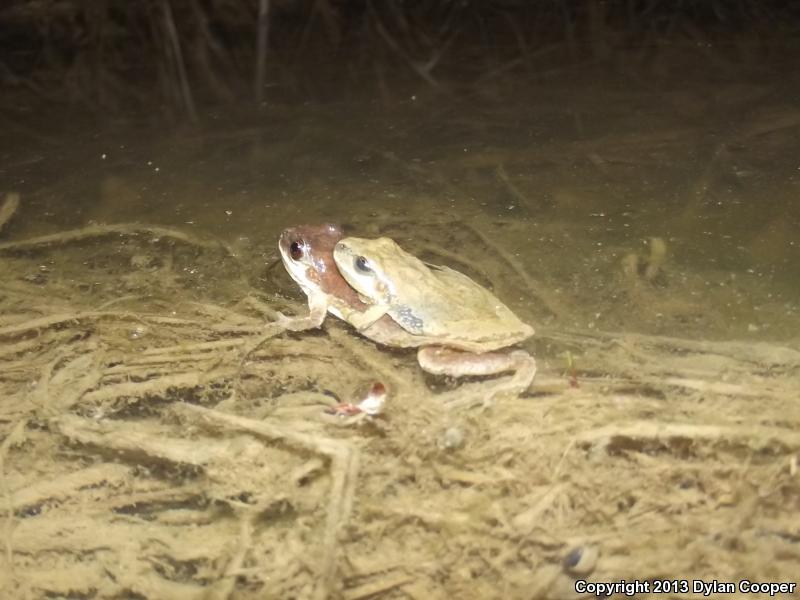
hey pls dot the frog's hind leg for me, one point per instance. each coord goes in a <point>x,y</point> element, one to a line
<point>455,363</point>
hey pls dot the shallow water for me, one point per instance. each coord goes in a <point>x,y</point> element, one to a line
<point>568,178</point>
<point>594,207</point>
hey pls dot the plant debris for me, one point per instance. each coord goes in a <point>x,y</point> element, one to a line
<point>179,450</point>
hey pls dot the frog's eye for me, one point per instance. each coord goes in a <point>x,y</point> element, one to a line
<point>296,250</point>
<point>362,264</point>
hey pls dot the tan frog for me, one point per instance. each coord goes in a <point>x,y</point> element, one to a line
<point>457,321</point>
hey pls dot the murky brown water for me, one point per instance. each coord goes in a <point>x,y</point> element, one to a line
<point>161,441</point>
<point>571,179</point>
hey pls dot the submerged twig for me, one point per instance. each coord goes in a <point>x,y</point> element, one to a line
<point>57,319</point>
<point>226,584</point>
<point>15,437</point>
<point>91,231</point>
<point>344,471</point>
<point>535,287</point>
<point>180,65</point>
<point>8,208</point>
<point>516,193</point>
<point>262,46</point>
<point>63,486</point>
<point>423,70</point>
<point>755,436</point>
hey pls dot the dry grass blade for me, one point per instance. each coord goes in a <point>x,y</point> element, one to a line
<point>93,231</point>
<point>344,472</point>
<point>756,437</point>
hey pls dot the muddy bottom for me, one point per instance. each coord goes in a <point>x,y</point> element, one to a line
<point>164,437</point>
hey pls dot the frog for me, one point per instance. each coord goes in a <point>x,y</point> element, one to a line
<point>459,323</point>
<point>308,255</point>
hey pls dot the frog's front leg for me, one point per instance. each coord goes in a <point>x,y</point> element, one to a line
<point>317,309</point>
<point>361,320</point>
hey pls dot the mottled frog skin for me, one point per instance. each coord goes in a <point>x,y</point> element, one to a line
<point>436,302</point>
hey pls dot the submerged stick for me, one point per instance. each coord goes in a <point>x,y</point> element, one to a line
<point>68,485</point>
<point>180,65</point>
<point>755,436</point>
<point>16,437</point>
<point>422,70</point>
<point>513,190</point>
<point>224,587</point>
<point>140,441</point>
<point>91,231</point>
<point>9,208</point>
<point>57,319</point>
<point>158,387</point>
<point>344,472</point>
<point>262,45</point>
<point>535,287</point>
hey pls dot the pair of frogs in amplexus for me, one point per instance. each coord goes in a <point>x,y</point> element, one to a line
<point>395,299</point>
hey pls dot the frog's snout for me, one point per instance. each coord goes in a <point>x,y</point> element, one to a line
<point>342,250</point>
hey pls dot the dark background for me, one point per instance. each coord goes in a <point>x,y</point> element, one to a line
<point>180,57</point>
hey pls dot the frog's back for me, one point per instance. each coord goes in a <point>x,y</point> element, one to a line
<point>452,309</point>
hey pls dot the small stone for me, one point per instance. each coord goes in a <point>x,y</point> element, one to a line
<point>137,332</point>
<point>451,439</point>
<point>581,560</point>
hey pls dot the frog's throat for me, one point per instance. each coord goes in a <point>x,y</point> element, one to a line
<point>366,299</point>
<point>312,275</point>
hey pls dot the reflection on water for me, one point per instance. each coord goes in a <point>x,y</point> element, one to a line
<point>576,187</point>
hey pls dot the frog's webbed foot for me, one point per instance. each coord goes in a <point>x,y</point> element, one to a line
<point>455,363</point>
